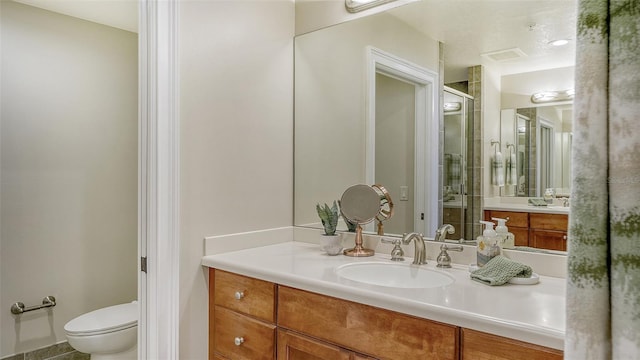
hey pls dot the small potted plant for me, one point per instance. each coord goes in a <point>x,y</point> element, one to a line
<point>331,243</point>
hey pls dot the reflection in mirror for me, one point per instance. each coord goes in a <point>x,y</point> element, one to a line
<point>543,138</point>
<point>333,106</point>
<point>458,149</point>
<point>339,106</point>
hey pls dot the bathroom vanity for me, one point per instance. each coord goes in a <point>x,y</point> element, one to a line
<point>544,228</point>
<point>285,301</point>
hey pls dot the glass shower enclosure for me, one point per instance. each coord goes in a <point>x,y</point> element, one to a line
<point>460,206</point>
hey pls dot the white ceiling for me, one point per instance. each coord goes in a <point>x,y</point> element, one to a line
<point>469,28</point>
<point>122,14</point>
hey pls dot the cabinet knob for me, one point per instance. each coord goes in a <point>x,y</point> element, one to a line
<point>239,295</point>
<point>238,340</point>
<point>564,237</point>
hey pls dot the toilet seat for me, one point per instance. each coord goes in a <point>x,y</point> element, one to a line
<point>105,320</point>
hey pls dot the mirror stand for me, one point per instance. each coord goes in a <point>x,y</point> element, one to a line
<point>359,250</point>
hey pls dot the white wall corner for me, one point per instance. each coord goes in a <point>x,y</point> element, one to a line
<point>239,241</point>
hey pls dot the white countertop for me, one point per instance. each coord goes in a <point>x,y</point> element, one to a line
<point>528,208</point>
<point>531,313</point>
<point>521,204</point>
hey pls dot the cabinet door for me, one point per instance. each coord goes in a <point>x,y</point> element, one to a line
<point>548,239</point>
<point>477,345</point>
<point>521,236</point>
<point>292,346</point>
<point>365,329</point>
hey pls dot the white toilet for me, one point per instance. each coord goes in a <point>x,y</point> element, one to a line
<point>109,333</point>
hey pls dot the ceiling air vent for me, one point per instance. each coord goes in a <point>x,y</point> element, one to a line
<point>504,55</point>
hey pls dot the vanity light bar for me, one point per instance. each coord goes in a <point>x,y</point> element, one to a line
<point>552,96</point>
<point>452,106</point>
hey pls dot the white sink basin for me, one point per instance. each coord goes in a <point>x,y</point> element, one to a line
<point>394,275</point>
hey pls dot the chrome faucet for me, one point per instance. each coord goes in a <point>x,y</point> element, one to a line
<point>419,256</point>
<point>442,232</point>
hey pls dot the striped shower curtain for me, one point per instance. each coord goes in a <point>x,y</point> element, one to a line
<point>603,282</point>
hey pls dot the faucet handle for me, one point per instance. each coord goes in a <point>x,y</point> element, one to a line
<point>397,254</point>
<point>444,260</point>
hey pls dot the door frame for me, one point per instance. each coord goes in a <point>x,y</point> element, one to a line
<point>158,179</point>
<point>427,115</point>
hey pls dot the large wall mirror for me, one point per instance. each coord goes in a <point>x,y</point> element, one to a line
<point>332,85</point>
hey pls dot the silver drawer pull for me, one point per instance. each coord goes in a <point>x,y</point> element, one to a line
<point>238,340</point>
<point>239,295</point>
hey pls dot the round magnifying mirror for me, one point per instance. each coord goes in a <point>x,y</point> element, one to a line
<point>360,204</point>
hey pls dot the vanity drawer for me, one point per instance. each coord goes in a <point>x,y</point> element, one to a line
<point>549,221</point>
<point>240,337</point>
<point>517,219</point>
<point>365,329</point>
<point>246,295</point>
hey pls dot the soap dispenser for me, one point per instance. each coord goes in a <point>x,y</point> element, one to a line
<point>488,246</point>
<point>506,239</point>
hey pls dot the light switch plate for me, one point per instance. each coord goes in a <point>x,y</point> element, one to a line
<point>404,193</point>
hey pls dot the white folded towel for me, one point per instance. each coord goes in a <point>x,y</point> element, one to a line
<point>497,169</point>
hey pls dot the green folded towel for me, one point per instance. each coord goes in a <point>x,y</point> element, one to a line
<point>500,270</point>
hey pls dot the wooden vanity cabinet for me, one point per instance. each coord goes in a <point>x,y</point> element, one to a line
<point>311,326</point>
<point>538,230</point>
<point>478,345</point>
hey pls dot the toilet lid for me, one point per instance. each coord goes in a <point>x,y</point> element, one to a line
<point>109,319</point>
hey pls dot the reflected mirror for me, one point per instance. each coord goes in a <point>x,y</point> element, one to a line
<point>335,137</point>
<point>540,132</point>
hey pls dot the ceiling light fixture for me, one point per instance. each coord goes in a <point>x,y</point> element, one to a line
<point>559,42</point>
<point>452,106</point>
<point>353,6</point>
<point>552,96</point>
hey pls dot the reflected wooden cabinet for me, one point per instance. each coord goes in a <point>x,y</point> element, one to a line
<point>478,345</point>
<point>518,224</point>
<point>539,230</point>
<point>243,326</point>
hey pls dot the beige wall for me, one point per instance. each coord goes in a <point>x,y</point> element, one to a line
<point>236,100</point>
<point>69,171</point>
<point>491,89</point>
<point>331,87</point>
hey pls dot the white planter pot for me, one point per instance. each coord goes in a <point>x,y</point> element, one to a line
<point>331,244</point>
